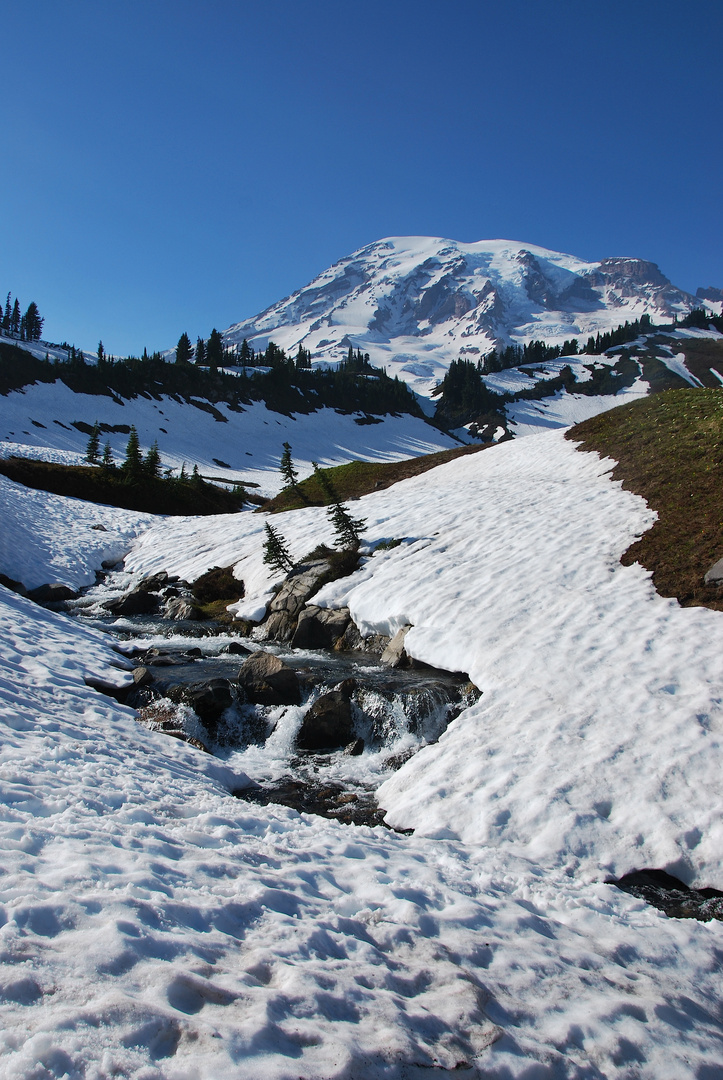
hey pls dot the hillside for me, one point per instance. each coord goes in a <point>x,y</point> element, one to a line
<point>669,449</point>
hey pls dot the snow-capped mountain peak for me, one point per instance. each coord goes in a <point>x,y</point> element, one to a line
<point>415,303</point>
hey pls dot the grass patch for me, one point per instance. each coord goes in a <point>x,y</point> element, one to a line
<point>359,478</point>
<point>111,487</point>
<point>669,449</point>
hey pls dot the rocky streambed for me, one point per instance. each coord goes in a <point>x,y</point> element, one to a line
<point>313,713</point>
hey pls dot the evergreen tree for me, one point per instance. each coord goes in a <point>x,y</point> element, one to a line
<point>347,529</point>
<point>276,553</point>
<point>15,317</point>
<point>246,353</point>
<point>33,322</point>
<point>184,349</point>
<point>133,462</point>
<point>286,468</point>
<point>324,483</point>
<point>303,359</point>
<point>152,461</point>
<point>200,354</point>
<point>8,314</point>
<point>214,349</point>
<point>107,460</point>
<point>101,352</point>
<point>91,453</point>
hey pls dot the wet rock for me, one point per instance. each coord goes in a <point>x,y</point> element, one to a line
<point>52,594</point>
<point>352,641</point>
<point>136,602</point>
<point>394,654</point>
<point>320,628</point>
<point>142,676</point>
<point>669,894</point>
<point>154,583</point>
<point>268,681</point>
<point>181,607</point>
<point>208,699</point>
<point>99,528</point>
<point>296,590</point>
<point>234,648</point>
<point>327,724</point>
<point>355,748</point>
<point>194,653</point>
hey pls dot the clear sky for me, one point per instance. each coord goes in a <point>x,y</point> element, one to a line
<point>171,165</point>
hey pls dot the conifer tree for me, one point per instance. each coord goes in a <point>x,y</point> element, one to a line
<point>214,349</point>
<point>91,453</point>
<point>246,355</point>
<point>276,553</point>
<point>200,355</point>
<point>107,459</point>
<point>184,349</point>
<point>15,317</point>
<point>152,461</point>
<point>133,462</point>
<point>347,529</point>
<point>33,322</point>
<point>101,352</point>
<point>286,467</point>
<point>7,316</point>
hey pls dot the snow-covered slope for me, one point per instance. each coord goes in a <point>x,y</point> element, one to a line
<point>38,421</point>
<point>416,303</point>
<point>153,927</point>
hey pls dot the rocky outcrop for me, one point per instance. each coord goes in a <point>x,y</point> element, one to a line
<point>136,602</point>
<point>327,724</point>
<point>158,594</point>
<point>13,585</point>
<point>301,584</point>
<point>266,680</point>
<point>320,628</point>
<point>394,654</point>
<point>715,574</point>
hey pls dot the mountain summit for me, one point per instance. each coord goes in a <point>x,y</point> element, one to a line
<point>416,303</point>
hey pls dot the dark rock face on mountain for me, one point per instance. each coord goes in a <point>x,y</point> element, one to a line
<point>416,303</point>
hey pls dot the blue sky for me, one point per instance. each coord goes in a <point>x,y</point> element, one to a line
<point>171,166</point>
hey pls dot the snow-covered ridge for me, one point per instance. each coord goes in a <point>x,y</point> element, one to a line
<point>416,303</point>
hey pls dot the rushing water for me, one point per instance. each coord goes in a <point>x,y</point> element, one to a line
<point>394,712</point>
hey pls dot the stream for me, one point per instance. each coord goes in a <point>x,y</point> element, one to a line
<point>190,690</point>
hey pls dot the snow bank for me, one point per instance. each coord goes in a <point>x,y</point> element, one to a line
<point>48,538</point>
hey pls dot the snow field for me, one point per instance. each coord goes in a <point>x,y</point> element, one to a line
<point>153,927</point>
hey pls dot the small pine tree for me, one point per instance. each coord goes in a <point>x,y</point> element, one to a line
<point>91,452</point>
<point>107,459</point>
<point>286,467</point>
<point>276,553</point>
<point>15,317</point>
<point>152,461</point>
<point>347,529</point>
<point>101,352</point>
<point>200,356</point>
<point>33,322</point>
<point>133,462</point>
<point>7,316</point>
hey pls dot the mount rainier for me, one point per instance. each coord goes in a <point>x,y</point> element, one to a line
<point>417,303</point>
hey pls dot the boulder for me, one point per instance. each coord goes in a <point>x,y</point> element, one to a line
<point>52,594</point>
<point>142,676</point>
<point>394,654</point>
<point>235,648</point>
<point>715,574</point>
<point>154,583</point>
<point>208,699</point>
<point>352,641</point>
<point>327,724</point>
<point>302,583</point>
<point>136,602</point>
<point>320,628</point>
<point>13,585</point>
<point>268,681</point>
<point>181,607</point>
